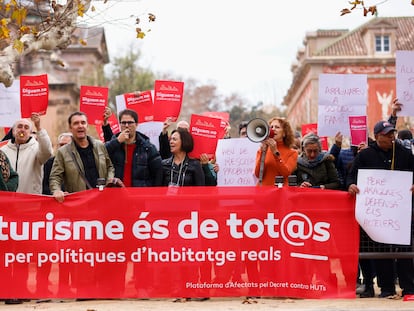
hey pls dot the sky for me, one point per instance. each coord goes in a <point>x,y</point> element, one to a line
<point>242,46</point>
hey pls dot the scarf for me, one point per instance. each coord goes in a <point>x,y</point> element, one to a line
<point>304,161</point>
<point>4,166</point>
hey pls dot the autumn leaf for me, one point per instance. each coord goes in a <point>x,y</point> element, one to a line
<point>140,33</point>
<point>345,11</point>
<point>81,9</point>
<point>151,17</point>
<point>83,42</point>
<point>18,45</point>
<point>4,30</point>
<point>19,15</point>
<point>25,29</point>
<point>93,8</point>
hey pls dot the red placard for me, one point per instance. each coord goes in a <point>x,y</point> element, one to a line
<point>309,128</point>
<point>324,143</point>
<point>205,131</point>
<point>93,100</point>
<point>34,95</point>
<point>142,104</point>
<point>168,98</point>
<point>358,129</point>
<point>223,116</point>
<point>113,123</point>
<point>287,240</point>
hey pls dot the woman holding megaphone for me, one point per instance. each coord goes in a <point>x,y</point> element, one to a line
<point>275,157</point>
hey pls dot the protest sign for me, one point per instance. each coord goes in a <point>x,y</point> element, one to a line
<point>309,128</point>
<point>358,129</point>
<point>384,205</point>
<point>34,95</point>
<point>141,103</point>
<point>236,158</point>
<point>340,96</point>
<point>168,98</point>
<point>93,100</point>
<point>404,76</point>
<point>152,130</point>
<point>10,104</point>
<point>205,132</point>
<point>223,116</point>
<point>113,123</point>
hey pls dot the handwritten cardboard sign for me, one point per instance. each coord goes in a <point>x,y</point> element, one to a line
<point>34,95</point>
<point>404,73</point>
<point>383,205</point>
<point>340,96</point>
<point>236,158</point>
<point>168,98</point>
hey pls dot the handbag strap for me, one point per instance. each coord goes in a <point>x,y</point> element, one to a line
<point>88,185</point>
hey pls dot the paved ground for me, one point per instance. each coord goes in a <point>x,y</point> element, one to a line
<point>218,304</point>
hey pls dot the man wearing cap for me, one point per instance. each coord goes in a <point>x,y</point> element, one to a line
<point>386,153</point>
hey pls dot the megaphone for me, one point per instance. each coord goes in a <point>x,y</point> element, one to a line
<point>258,130</point>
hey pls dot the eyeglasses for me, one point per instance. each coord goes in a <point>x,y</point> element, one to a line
<point>127,123</point>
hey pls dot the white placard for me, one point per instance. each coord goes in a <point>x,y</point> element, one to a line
<point>384,204</point>
<point>236,158</point>
<point>404,73</point>
<point>340,96</point>
<point>9,104</point>
<point>152,130</point>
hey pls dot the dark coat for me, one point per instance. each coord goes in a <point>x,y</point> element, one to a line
<point>320,172</point>
<point>374,157</point>
<point>191,174</point>
<point>146,161</point>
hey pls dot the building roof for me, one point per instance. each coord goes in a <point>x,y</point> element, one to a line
<point>352,43</point>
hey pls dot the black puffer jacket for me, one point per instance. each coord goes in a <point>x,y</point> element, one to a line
<point>146,161</point>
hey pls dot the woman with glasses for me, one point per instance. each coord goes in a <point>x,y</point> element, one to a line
<point>316,169</point>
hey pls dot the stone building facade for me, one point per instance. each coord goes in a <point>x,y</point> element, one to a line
<point>369,49</point>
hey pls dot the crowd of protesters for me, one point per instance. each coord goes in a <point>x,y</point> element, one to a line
<point>129,159</point>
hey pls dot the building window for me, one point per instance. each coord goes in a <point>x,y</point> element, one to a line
<point>382,43</point>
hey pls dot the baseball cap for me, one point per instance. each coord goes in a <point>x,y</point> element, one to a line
<point>383,127</point>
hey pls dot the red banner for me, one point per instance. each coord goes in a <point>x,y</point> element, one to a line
<point>34,95</point>
<point>179,242</point>
<point>168,98</point>
<point>93,100</point>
